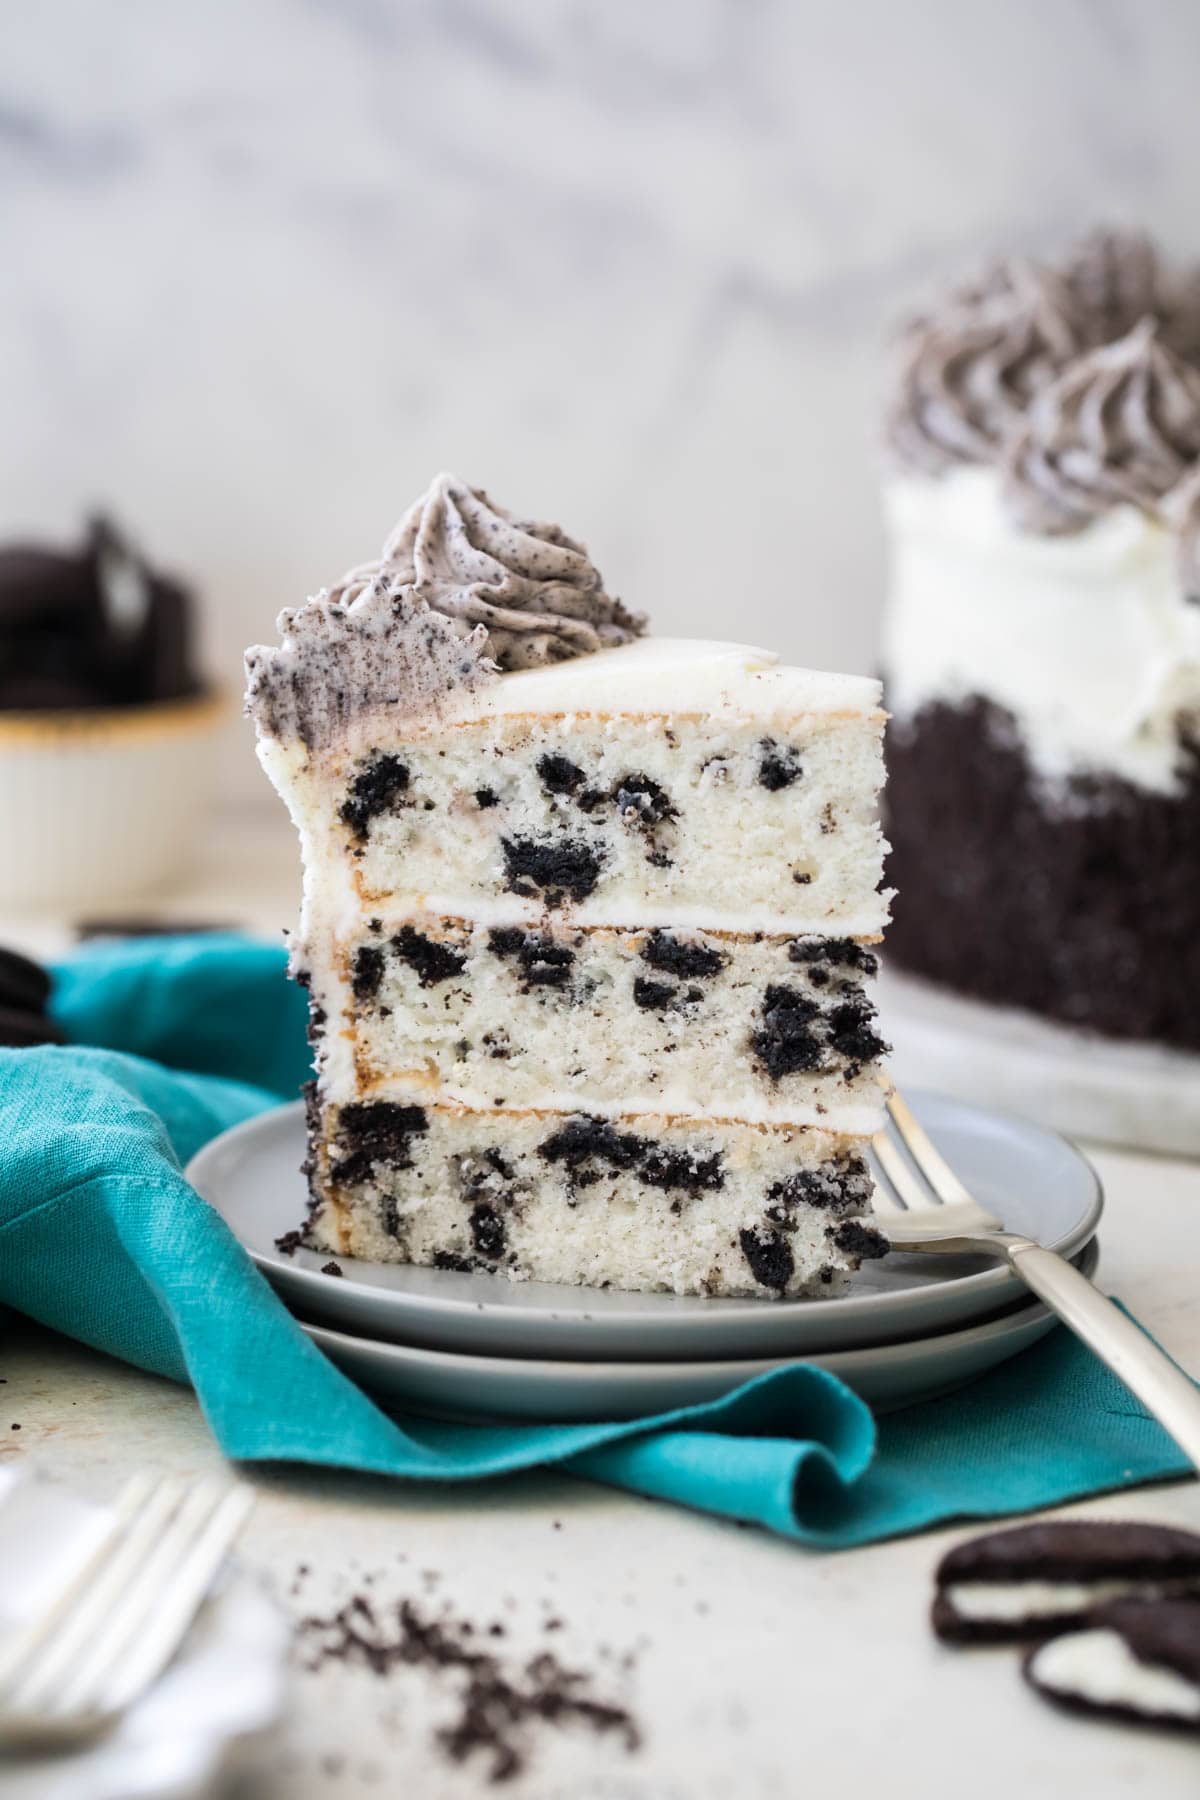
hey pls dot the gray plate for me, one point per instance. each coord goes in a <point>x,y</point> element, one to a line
<point>1035,1182</point>
<point>411,1377</point>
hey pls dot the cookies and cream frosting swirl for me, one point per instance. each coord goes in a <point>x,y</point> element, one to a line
<point>1117,280</point>
<point>1121,425</point>
<point>1080,382</point>
<point>535,590</point>
<point>463,591</point>
<point>963,382</point>
<point>1183,509</point>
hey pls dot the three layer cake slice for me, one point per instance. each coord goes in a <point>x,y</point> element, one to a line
<point>589,924</point>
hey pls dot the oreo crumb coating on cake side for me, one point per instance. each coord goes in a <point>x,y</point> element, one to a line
<point>1042,640</point>
<point>588,937</point>
<point>1079,900</point>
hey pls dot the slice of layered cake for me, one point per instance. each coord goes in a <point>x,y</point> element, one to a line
<point>588,923</point>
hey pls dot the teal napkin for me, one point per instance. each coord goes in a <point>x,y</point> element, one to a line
<point>102,1238</point>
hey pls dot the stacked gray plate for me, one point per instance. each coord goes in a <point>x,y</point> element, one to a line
<point>436,1341</point>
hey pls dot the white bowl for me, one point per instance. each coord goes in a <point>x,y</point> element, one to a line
<point>97,807</point>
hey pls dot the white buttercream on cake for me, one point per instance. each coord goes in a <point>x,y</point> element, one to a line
<point>1087,639</point>
<point>664,676</point>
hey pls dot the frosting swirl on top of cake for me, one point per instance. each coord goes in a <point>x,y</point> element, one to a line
<point>1118,280</point>
<point>534,589</point>
<point>1183,505</point>
<point>1121,425</point>
<point>462,591</point>
<point>973,373</point>
<point>965,380</point>
<point>345,659</point>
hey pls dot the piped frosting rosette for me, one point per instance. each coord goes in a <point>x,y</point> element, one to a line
<point>1007,363</point>
<point>534,589</point>
<point>965,381</point>
<point>461,591</point>
<point>1120,426</point>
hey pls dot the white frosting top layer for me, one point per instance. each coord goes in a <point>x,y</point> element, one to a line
<point>1099,1666</point>
<point>1087,639</point>
<point>664,675</point>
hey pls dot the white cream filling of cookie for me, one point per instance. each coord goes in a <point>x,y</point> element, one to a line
<point>1100,1667</point>
<point>1008,1602</point>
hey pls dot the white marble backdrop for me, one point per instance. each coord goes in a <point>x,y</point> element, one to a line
<point>265,265</point>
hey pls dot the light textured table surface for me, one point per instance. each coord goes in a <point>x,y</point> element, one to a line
<point>752,1667</point>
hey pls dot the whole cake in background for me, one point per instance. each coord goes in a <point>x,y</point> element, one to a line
<point>588,920</point>
<point>1042,641</point>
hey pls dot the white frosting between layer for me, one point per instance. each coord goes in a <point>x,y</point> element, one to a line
<point>1086,639</point>
<point>1099,1666</point>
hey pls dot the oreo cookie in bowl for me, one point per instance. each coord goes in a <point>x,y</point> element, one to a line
<point>105,724</point>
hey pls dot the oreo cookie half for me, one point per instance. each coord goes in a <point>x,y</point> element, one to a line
<point>22,1030</point>
<point>91,627</point>
<point>1038,1580</point>
<point>1137,1660</point>
<point>24,984</point>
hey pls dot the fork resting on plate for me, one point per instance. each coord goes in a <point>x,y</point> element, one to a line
<point>925,1207</point>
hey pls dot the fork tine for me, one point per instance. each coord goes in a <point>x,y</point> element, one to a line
<point>902,1193</point>
<point>84,1688</point>
<point>152,1650</point>
<point>925,1154</point>
<point>77,1627</point>
<point>960,1223</point>
<point>23,1645</point>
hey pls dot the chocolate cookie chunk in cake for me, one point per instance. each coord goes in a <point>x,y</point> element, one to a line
<point>1041,1579</point>
<point>1137,1660</point>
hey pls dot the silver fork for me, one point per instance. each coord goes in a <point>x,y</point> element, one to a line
<point>928,1208</point>
<point>69,1673</point>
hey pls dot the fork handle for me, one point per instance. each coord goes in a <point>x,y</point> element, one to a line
<point>1146,1370</point>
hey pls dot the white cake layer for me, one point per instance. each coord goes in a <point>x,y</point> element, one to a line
<point>650,1203</point>
<point>604,1021</point>
<point>1087,639</point>
<point>640,821</point>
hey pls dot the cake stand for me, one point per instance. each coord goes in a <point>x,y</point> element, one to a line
<point>1137,1095</point>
